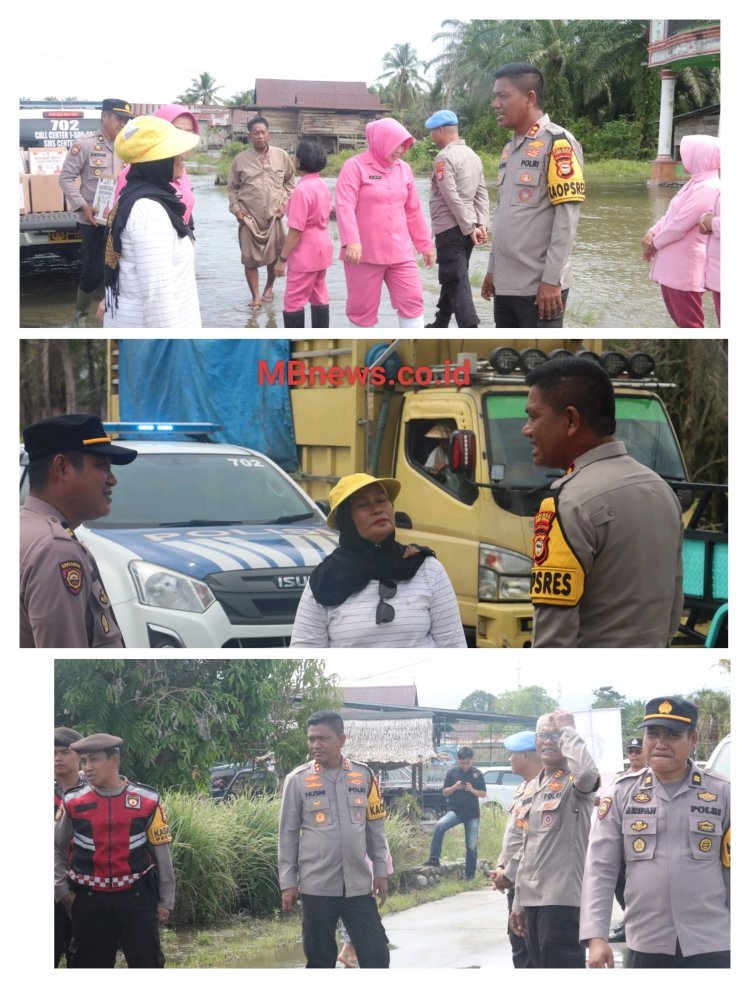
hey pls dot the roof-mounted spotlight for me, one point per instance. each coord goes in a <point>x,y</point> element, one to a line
<point>641,365</point>
<point>590,355</point>
<point>614,363</point>
<point>531,358</point>
<point>504,359</point>
<point>560,352</point>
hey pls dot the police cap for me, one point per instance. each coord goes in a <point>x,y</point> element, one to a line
<point>72,433</point>
<point>65,736</point>
<point>97,742</point>
<point>635,744</point>
<point>119,106</point>
<point>672,712</point>
<point>442,118</point>
<point>521,741</point>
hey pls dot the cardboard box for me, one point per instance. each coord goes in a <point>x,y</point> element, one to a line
<point>25,198</point>
<point>46,161</point>
<point>46,194</point>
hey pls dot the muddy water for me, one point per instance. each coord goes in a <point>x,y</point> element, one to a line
<point>611,287</point>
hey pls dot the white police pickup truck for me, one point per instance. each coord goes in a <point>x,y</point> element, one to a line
<point>207,544</point>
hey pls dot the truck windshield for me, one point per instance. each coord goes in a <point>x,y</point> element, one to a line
<point>166,490</point>
<point>642,424</point>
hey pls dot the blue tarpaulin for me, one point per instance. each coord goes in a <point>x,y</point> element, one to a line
<point>214,381</point>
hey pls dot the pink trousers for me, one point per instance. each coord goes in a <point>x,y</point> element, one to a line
<point>303,287</point>
<point>364,283</point>
<point>685,308</point>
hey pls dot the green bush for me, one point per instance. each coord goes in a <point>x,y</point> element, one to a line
<point>614,139</point>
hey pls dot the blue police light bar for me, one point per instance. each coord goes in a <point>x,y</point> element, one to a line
<point>151,427</point>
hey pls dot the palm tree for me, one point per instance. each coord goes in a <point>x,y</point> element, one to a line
<point>402,68</point>
<point>202,90</point>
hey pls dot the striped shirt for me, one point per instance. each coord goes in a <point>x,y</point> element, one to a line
<point>157,274</point>
<point>426,616</point>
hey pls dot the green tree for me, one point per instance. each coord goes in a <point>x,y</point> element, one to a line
<point>402,75</point>
<point>480,701</point>
<point>607,696</point>
<point>59,376</point>
<point>713,719</point>
<point>244,98</point>
<point>532,701</point>
<point>202,90</point>
<point>180,716</point>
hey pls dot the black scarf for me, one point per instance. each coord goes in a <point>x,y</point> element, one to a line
<point>356,561</point>
<point>147,180</point>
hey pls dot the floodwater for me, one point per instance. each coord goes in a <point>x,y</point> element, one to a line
<point>611,286</point>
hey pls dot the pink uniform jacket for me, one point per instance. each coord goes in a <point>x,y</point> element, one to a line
<point>377,204</point>
<point>713,270</point>
<point>681,249</point>
<point>309,210</point>
<point>182,186</point>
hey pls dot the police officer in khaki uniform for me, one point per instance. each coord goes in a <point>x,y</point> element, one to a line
<point>63,600</point>
<point>607,543</point>
<point>460,211</point>
<point>524,761</point>
<point>113,865</point>
<point>332,816</point>
<point>540,191</point>
<point>89,159</point>
<point>548,880</point>
<point>671,824</point>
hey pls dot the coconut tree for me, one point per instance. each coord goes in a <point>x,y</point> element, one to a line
<point>402,75</point>
<point>202,90</point>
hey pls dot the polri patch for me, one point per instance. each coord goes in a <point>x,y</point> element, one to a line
<point>604,807</point>
<point>440,170</point>
<point>71,572</point>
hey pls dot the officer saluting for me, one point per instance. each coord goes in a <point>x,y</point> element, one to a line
<point>671,823</point>
<point>89,159</point>
<point>63,600</point>
<point>113,866</point>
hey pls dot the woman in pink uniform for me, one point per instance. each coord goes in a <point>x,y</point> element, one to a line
<point>675,244</point>
<point>380,222</point>
<point>308,248</point>
<point>182,119</point>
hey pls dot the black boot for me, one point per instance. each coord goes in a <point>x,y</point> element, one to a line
<point>320,316</point>
<point>294,320</point>
<point>439,322</point>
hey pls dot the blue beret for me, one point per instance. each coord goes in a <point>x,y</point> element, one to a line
<point>522,741</point>
<point>442,118</point>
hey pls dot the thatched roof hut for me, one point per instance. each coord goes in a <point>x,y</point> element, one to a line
<point>389,740</point>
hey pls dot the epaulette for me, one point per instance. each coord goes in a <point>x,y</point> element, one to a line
<point>629,775</point>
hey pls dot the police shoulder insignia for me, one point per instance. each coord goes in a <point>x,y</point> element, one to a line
<point>708,797</point>
<point>648,780</point>
<point>103,598</point>
<point>697,778</point>
<point>564,175</point>
<point>604,807</point>
<point>71,572</point>
<point>133,801</point>
<point>60,812</point>
<point>642,797</point>
<point>639,845</point>
<point>726,848</point>
<point>557,576</point>
<point>639,825</point>
<point>440,170</point>
<point>105,624</point>
<point>76,149</point>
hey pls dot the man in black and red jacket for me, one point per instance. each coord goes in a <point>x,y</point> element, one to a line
<point>113,866</point>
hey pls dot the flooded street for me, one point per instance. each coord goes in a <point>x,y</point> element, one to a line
<point>611,286</point>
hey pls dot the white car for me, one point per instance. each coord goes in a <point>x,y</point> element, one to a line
<point>719,760</point>
<point>501,782</point>
<point>206,545</point>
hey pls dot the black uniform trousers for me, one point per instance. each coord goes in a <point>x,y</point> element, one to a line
<point>519,950</point>
<point>552,936</point>
<point>62,933</point>
<point>360,915</point>
<point>102,921</point>
<point>93,239</point>
<point>520,312</point>
<point>718,958</point>
<point>453,253</point>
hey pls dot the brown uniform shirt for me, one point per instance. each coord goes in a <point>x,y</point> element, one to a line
<point>89,158</point>
<point>63,600</point>
<point>458,192</point>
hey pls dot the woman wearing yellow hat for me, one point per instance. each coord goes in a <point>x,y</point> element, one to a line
<point>371,591</point>
<point>149,278</point>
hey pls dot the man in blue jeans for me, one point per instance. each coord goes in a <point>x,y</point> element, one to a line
<point>464,786</point>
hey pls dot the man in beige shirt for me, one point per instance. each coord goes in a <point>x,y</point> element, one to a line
<point>260,182</point>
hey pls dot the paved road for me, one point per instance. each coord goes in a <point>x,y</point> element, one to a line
<point>463,931</point>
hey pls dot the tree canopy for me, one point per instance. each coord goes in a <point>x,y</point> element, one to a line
<point>480,701</point>
<point>532,701</point>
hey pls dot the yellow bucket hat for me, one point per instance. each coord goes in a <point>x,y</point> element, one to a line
<point>152,139</point>
<point>353,483</point>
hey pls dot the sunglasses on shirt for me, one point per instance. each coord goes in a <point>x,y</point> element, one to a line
<point>384,613</point>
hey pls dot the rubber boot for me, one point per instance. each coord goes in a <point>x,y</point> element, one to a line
<point>320,316</point>
<point>294,320</point>
<point>83,304</point>
<point>416,323</point>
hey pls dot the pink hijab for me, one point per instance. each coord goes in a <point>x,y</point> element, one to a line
<point>183,188</point>
<point>384,136</point>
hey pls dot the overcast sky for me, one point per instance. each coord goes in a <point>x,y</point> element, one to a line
<point>445,677</point>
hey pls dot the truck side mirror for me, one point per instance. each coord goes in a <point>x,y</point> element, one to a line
<point>463,451</point>
<point>403,520</point>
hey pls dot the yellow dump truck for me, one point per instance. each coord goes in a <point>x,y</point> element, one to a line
<point>380,407</point>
